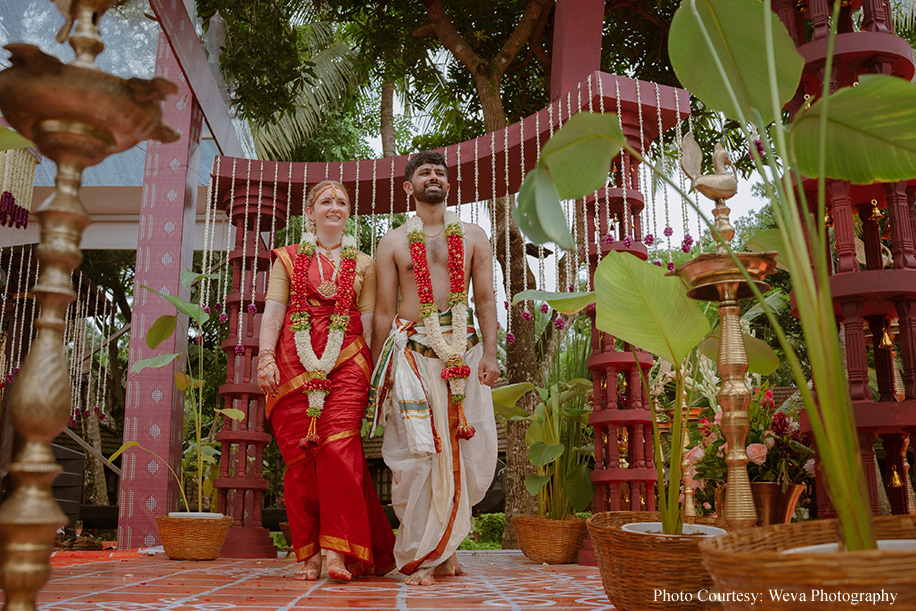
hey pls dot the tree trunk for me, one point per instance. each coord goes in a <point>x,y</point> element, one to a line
<point>117,398</point>
<point>97,493</point>
<point>389,145</point>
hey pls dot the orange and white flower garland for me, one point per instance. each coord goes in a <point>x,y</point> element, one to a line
<point>317,384</point>
<point>456,372</point>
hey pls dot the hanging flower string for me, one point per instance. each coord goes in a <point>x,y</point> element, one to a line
<point>317,385</point>
<point>456,372</point>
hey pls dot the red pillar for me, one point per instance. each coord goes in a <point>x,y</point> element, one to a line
<point>578,25</point>
<point>154,412</point>
<point>241,484</point>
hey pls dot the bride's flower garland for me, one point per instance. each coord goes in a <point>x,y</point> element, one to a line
<point>317,384</point>
<point>451,352</point>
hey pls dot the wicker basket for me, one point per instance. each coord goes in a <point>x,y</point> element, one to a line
<point>552,541</point>
<point>749,561</point>
<point>634,565</point>
<point>193,538</point>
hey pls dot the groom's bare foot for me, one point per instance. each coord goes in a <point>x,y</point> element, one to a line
<point>449,568</point>
<point>310,570</point>
<point>421,577</point>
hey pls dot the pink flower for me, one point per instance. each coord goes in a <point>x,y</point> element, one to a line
<point>526,316</point>
<point>544,308</point>
<point>723,449</point>
<point>559,323</point>
<point>670,266</point>
<point>695,455</point>
<point>718,419</point>
<point>809,466</point>
<point>223,317</point>
<point>510,338</point>
<point>757,453</point>
<point>707,506</point>
<point>705,426</point>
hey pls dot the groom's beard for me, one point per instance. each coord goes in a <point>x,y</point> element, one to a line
<point>434,197</point>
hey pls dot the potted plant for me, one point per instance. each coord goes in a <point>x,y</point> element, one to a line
<point>188,535</point>
<point>560,449</point>
<point>780,465</point>
<point>718,53</point>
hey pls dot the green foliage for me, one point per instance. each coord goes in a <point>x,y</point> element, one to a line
<point>575,161</point>
<point>864,140</point>
<point>805,244</point>
<point>10,139</point>
<point>695,49</point>
<point>200,451</point>
<point>760,357</point>
<point>472,545</point>
<point>567,303</point>
<point>641,305</point>
<point>267,83</point>
<point>489,527</point>
<point>557,445</point>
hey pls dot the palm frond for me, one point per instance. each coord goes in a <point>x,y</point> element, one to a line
<point>334,79</point>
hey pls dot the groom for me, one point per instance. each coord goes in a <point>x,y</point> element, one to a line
<point>440,434</point>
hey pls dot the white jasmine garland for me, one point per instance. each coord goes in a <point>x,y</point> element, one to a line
<point>303,337</point>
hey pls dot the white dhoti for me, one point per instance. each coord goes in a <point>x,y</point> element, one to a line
<point>437,478</point>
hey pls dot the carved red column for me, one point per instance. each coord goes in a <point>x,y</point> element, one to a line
<point>241,484</point>
<point>154,411</point>
<point>880,293</point>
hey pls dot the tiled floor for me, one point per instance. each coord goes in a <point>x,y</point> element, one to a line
<point>495,580</point>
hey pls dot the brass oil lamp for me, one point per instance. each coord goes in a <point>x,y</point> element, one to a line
<point>716,277</point>
<point>77,115</point>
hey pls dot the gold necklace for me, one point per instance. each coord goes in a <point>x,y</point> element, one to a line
<point>437,234</point>
<point>328,286</point>
<point>328,248</point>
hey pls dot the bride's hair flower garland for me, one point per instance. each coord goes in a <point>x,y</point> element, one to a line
<point>317,385</point>
<point>451,352</point>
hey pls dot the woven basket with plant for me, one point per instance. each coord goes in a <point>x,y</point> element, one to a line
<point>751,560</point>
<point>634,565</point>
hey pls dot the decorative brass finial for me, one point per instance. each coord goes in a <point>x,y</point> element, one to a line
<point>718,187</point>
<point>77,115</point>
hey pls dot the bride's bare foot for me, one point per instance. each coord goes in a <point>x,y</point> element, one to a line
<point>450,568</point>
<point>421,577</point>
<point>337,568</point>
<point>310,570</point>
